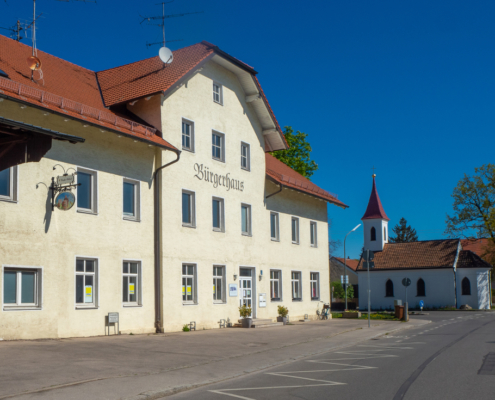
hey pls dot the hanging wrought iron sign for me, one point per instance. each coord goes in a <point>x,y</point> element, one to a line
<point>61,189</point>
<point>65,200</point>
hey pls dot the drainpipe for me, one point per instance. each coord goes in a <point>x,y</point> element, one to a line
<point>273,194</point>
<point>158,258</point>
<point>459,248</point>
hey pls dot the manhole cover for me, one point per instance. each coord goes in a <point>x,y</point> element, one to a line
<point>488,367</point>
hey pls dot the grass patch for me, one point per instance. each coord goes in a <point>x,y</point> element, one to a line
<point>383,316</point>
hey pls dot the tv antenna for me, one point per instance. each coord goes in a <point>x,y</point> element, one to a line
<point>164,53</point>
<point>15,31</point>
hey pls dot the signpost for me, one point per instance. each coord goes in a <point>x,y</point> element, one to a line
<point>113,318</point>
<point>421,304</point>
<point>406,282</point>
<point>346,279</point>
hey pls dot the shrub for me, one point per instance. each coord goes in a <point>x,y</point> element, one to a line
<point>283,311</point>
<point>185,328</point>
<point>245,311</point>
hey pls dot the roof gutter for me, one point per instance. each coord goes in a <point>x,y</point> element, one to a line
<point>157,244</point>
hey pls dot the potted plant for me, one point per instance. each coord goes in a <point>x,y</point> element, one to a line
<point>282,314</point>
<point>245,313</point>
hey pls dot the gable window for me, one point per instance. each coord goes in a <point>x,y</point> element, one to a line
<point>373,234</point>
<point>389,289</point>
<point>295,230</point>
<point>218,284</point>
<point>466,287</point>
<point>21,288</point>
<point>245,156</point>
<point>188,209</point>
<point>420,288</point>
<point>86,287</point>
<point>131,199</point>
<point>86,191</point>
<point>246,219</point>
<point>189,284</point>
<point>314,284</point>
<point>187,135</point>
<point>296,285</point>
<point>313,234</point>
<point>218,214</point>
<point>274,232</point>
<point>275,285</point>
<point>384,233</point>
<point>218,146</point>
<point>8,184</point>
<point>217,93</point>
<point>131,283</point>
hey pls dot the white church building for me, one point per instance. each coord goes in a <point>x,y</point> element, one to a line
<point>442,273</point>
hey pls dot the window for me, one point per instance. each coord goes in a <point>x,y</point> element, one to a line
<point>21,288</point>
<point>275,285</point>
<point>295,230</point>
<point>217,93</point>
<point>188,283</point>
<point>218,146</point>
<point>188,209</point>
<point>389,289</point>
<point>8,184</point>
<point>373,234</point>
<point>86,192</point>
<point>131,283</point>
<point>246,219</point>
<point>86,288</point>
<point>313,233</point>
<point>384,233</point>
<point>296,285</point>
<point>218,214</point>
<point>131,200</point>
<point>245,156</point>
<point>466,287</point>
<point>187,135</point>
<point>274,232</point>
<point>314,283</point>
<point>219,284</point>
<point>420,288</point>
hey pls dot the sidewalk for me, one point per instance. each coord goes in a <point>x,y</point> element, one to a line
<point>153,366</point>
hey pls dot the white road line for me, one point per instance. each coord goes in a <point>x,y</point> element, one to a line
<point>222,391</point>
<point>387,347</point>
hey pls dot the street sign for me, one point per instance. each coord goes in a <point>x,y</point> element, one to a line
<point>372,256</point>
<point>342,279</point>
<point>365,264</point>
<point>406,282</point>
<point>421,304</point>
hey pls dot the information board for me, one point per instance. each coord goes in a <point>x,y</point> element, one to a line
<point>232,289</point>
<point>113,317</point>
<point>262,300</point>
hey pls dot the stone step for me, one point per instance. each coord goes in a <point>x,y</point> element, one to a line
<point>271,325</point>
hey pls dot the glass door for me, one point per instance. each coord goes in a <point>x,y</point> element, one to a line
<point>246,292</point>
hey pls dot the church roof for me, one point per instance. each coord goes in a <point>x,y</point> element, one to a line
<point>477,246</point>
<point>375,209</point>
<point>468,259</point>
<point>350,263</point>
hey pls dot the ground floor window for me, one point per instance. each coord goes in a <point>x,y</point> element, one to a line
<point>275,285</point>
<point>189,283</point>
<point>86,288</point>
<point>389,289</point>
<point>21,288</point>
<point>296,285</point>
<point>219,284</point>
<point>466,287</point>
<point>131,283</point>
<point>420,288</point>
<point>314,283</point>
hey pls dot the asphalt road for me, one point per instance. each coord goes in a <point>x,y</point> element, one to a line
<point>451,358</point>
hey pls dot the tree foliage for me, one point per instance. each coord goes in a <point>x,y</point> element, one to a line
<point>339,292</point>
<point>404,233</point>
<point>298,156</point>
<point>474,208</point>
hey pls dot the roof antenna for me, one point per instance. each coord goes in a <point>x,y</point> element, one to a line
<point>15,31</point>
<point>165,53</point>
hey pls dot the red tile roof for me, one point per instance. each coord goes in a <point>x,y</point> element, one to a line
<point>477,246</point>
<point>352,264</point>
<point>469,259</point>
<point>284,175</point>
<point>375,209</point>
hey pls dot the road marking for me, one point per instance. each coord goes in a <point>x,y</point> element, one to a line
<point>387,347</point>
<point>222,391</point>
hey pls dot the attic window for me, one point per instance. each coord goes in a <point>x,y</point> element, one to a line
<point>3,74</point>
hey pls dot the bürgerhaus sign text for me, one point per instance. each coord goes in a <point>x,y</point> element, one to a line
<point>204,173</point>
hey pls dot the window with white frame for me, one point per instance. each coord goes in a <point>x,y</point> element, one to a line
<point>188,209</point>
<point>189,284</point>
<point>275,285</point>
<point>296,285</point>
<point>21,288</point>
<point>274,231</point>
<point>313,234</point>
<point>246,219</point>
<point>314,283</point>
<point>86,285</point>
<point>245,156</point>
<point>217,93</point>
<point>218,146</point>
<point>131,283</point>
<point>295,230</point>
<point>132,195</point>
<point>218,214</point>
<point>219,284</point>
<point>187,135</point>
<point>8,184</point>
<point>86,191</point>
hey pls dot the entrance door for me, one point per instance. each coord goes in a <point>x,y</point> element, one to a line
<point>246,289</point>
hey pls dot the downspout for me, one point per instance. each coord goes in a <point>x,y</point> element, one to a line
<point>273,194</point>
<point>158,258</point>
<point>455,271</point>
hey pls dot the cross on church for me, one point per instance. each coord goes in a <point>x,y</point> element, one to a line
<point>373,170</point>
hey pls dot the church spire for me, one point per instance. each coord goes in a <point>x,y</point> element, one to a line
<point>375,209</point>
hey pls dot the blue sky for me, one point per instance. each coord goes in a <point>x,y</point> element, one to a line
<point>406,86</point>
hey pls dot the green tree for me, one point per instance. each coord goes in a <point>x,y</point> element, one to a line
<point>474,208</point>
<point>404,233</point>
<point>339,293</point>
<point>298,156</point>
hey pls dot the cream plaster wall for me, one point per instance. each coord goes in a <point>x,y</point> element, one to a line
<point>32,235</point>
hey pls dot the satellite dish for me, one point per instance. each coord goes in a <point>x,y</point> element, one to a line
<point>34,63</point>
<point>166,55</point>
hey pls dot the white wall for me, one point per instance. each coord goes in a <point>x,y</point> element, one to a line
<point>381,239</point>
<point>480,288</point>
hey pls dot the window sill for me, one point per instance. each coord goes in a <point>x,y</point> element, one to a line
<point>295,243</point>
<point>219,230</point>
<point>21,308</point>
<point>188,150</point>
<point>218,102</point>
<point>218,159</point>
<point>219,303</point>
<point>275,240</point>
<point>188,226</point>
<point>247,234</point>
<point>315,299</point>
<point>84,211</point>
<point>246,169</point>
<point>189,304</point>
<point>131,305</point>
<point>276,299</point>
<point>8,200</point>
<point>86,308</point>
<point>131,219</point>
<point>296,299</point>
<point>314,246</point>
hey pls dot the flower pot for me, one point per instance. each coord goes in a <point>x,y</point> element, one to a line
<point>282,319</point>
<point>247,322</point>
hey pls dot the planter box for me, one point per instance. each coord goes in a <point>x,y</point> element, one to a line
<point>247,322</point>
<point>351,315</point>
<point>282,319</point>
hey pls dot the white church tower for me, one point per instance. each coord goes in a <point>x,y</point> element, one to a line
<point>375,223</point>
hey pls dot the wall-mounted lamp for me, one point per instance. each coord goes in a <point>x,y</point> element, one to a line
<point>235,277</point>
<point>261,274</point>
